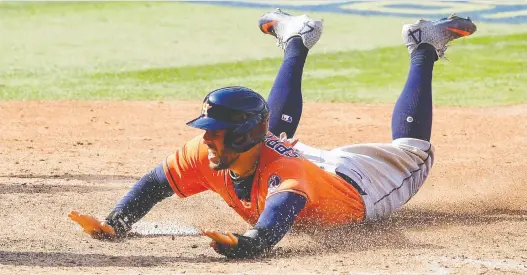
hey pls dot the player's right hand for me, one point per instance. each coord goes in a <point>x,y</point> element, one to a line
<point>92,226</point>
<point>236,246</point>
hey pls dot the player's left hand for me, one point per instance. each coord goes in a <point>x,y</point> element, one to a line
<point>92,226</point>
<point>234,245</point>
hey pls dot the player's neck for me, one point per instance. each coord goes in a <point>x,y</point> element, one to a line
<point>247,164</point>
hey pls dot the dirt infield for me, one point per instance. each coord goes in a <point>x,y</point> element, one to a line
<point>469,218</point>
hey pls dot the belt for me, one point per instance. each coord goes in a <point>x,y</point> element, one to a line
<point>352,182</point>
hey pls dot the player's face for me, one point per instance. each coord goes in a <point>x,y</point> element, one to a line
<point>220,157</point>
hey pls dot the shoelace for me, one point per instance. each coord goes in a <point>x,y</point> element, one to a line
<point>280,43</point>
<point>441,52</point>
<point>279,40</point>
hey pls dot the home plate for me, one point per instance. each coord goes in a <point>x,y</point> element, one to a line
<point>156,229</point>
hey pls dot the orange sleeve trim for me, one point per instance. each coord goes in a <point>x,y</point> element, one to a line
<point>301,193</point>
<point>171,180</point>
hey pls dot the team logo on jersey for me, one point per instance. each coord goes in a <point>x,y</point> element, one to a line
<point>287,118</point>
<point>273,182</point>
<point>246,204</point>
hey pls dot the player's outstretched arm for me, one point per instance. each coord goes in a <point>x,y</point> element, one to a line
<point>277,219</point>
<point>148,191</point>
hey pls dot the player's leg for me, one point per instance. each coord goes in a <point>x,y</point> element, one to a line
<point>412,114</point>
<point>296,35</point>
<point>285,99</point>
<point>391,173</point>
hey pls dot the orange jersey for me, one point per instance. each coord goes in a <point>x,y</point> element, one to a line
<point>331,201</point>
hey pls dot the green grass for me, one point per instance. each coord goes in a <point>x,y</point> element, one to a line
<point>164,51</point>
<point>482,71</point>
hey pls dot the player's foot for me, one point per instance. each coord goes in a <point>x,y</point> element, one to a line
<point>283,26</point>
<point>437,33</point>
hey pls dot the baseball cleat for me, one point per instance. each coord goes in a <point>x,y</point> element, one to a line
<point>283,26</point>
<point>437,33</point>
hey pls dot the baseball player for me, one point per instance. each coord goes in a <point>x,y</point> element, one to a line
<point>275,184</point>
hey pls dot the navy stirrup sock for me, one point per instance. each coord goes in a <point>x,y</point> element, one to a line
<point>285,98</point>
<point>412,114</point>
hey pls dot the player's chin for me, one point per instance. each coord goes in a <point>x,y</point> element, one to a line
<point>217,164</point>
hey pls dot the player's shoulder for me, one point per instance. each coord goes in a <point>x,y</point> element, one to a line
<point>194,143</point>
<point>196,140</point>
<point>193,150</point>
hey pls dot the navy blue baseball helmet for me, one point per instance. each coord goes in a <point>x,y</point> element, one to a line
<point>239,110</point>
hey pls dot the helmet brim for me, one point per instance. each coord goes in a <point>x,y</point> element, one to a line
<point>209,123</point>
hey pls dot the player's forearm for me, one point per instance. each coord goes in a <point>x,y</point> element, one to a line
<point>278,217</point>
<point>148,191</point>
<point>276,220</point>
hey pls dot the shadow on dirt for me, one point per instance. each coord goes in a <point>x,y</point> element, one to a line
<point>32,187</point>
<point>66,259</point>
<point>389,233</point>
<point>66,176</point>
<point>421,218</point>
<point>25,188</point>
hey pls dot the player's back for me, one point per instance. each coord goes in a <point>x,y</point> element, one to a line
<point>331,200</point>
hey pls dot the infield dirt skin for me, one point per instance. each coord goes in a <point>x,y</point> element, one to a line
<point>469,218</point>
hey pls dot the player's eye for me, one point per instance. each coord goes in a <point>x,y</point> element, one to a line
<point>212,133</point>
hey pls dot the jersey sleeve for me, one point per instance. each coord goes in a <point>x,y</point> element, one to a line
<point>183,168</point>
<point>288,175</point>
<point>279,215</point>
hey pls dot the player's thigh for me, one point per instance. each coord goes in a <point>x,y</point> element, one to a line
<point>392,172</point>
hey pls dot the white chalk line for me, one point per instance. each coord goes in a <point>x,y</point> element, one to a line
<point>146,228</point>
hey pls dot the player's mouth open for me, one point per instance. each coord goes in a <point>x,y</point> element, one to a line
<point>212,154</point>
